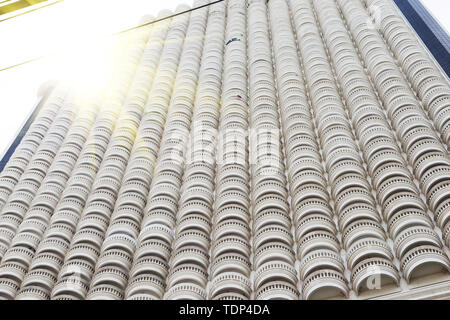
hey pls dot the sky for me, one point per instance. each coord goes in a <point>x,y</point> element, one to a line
<point>440,10</point>
<point>72,26</point>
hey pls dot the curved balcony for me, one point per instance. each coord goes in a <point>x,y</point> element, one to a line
<point>323,284</point>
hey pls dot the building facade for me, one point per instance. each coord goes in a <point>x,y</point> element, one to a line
<point>282,149</point>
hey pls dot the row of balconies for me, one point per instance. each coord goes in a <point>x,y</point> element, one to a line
<point>120,199</point>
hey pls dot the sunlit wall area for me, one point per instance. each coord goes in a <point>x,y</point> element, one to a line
<point>71,41</point>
